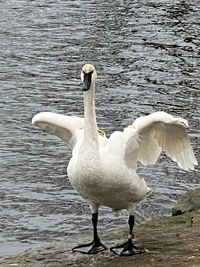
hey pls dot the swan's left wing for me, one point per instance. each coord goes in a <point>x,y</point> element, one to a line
<point>62,126</point>
<point>157,132</point>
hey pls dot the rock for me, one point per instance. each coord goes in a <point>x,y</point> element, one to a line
<point>190,201</point>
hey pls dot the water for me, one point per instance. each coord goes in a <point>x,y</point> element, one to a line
<point>147,57</point>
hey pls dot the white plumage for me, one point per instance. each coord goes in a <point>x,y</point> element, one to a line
<point>103,170</point>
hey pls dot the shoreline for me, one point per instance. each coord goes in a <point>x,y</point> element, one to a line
<point>169,241</point>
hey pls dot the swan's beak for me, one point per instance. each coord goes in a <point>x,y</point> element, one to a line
<point>87,78</point>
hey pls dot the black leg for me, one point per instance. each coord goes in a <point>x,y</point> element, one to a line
<point>128,248</point>
<point>131,222</point>
<point>94,223</point>
<point>95,246</point>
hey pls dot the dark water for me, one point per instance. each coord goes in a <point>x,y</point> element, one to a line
<point>147,54</point>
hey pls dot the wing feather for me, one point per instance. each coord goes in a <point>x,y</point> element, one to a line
<point>159,132</point>
<point>60,125</point>
<point>149,150</point>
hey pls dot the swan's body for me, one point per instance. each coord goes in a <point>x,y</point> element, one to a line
<point>103,170</point>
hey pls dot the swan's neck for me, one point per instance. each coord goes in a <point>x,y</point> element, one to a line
<point>90,124</point>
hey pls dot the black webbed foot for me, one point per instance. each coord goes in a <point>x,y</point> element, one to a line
<point>127,249</point>
<point>90,248</point>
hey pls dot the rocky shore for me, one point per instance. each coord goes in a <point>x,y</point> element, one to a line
<point>169,241</point>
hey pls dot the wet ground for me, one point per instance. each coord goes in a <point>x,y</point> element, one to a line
<point>147,57</point>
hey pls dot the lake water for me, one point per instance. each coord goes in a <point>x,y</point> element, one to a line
<point>147,55</point>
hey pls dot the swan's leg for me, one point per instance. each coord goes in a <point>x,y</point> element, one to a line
<point>128,248</point>
<point>95,246</point>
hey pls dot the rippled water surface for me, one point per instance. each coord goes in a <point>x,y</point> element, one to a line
<point>147,55</point>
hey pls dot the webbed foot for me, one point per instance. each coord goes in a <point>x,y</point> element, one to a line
<point>127,249</point>
<point>90,248</point>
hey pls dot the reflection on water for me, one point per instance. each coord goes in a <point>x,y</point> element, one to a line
<point>147,57</point>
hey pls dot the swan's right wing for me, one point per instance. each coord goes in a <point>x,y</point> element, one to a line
<point>60,125</point>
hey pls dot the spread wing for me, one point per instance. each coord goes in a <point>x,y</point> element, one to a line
<point>157,132</point>
<point>62,126</point>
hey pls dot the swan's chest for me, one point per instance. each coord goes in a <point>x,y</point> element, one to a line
<point>85,170</point>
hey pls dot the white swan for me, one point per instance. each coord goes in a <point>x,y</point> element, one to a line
<point>103,170</point>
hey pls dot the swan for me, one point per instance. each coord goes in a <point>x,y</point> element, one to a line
<point>103,170</point>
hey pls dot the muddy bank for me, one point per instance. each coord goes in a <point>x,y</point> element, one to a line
<point>169,241</point>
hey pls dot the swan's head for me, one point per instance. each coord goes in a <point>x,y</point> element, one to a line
<point>88,76</point>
